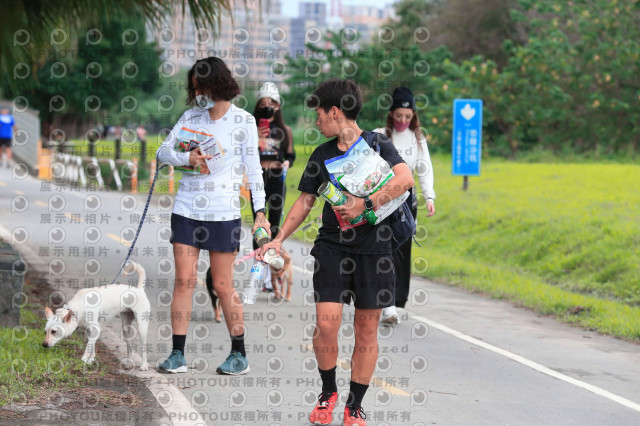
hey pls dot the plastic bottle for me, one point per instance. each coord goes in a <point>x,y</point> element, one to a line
<point>254,285</point>
<point>337,198</point>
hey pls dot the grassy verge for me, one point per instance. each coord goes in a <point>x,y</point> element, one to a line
<point>56,379</point>
<point>561,239</point>
<point>29,373</point>
<point>27,368</point>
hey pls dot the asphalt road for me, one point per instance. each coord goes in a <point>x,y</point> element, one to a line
<point>455,359</point>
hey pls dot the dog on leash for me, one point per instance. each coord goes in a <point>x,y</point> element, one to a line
<point>91,307</point>
<point>282,276</point>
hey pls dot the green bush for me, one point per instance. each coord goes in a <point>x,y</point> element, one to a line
<point>572,87</point>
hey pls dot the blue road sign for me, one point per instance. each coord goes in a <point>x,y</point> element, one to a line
<point>467,137</point>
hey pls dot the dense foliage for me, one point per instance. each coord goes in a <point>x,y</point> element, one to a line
<point>106,68</point>
<point>572,86</point>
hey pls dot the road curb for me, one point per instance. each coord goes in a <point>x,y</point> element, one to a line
<point>179,408</point>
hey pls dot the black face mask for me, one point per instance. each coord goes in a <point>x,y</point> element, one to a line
<point>266,112</point>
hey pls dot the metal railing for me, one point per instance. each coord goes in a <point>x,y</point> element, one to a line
<point>94,173</point>
<point>73,169</point>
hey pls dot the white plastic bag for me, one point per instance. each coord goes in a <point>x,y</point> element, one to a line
<point>361,171</point>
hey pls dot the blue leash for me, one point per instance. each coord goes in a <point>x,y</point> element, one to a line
<point>144,213</point>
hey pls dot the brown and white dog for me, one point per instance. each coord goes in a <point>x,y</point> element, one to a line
<point>91,307</point>
<point>282,276</point>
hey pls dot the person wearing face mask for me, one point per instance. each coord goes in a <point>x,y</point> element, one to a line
<point>276,150</point>
<point>276,156</point>
<point>206,212</point>
<point>403,128</point>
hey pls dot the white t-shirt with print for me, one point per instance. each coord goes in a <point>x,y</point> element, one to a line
<point>216,196</point>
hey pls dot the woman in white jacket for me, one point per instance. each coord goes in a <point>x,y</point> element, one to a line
<point>403,127</point>
<point>206,211</point>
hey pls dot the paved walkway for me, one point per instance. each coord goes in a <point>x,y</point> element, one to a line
<point>455,359</point>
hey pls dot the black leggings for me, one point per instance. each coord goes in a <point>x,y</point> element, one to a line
<point>275,190</point>
<point>402,263</point>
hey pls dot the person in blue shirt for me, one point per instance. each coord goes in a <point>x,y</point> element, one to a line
<point>7,127</point>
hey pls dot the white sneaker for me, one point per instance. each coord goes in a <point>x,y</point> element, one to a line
<point>390,315</point>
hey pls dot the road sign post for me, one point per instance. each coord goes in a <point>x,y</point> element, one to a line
<point>466,144</point>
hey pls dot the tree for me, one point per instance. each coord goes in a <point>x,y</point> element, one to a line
<point>466,27</point>
<point>477,27</point>
<point>29,28</point>
<point>568,84</point>
<point>413,15</point>
<point>107,64</point>
<point>578,74</point>
<point>378,70</point>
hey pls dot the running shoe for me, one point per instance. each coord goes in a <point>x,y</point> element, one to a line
<point>234,365</point>
<point>322,414</point>
<point>174,364</point>
<point>354,416</point>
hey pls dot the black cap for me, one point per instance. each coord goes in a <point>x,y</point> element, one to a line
<point>403,98</point>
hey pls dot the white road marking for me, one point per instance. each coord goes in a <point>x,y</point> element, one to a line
<point>27,253</point>
<point>299,269</point>
<point>528,363</point>
<point>181,404</point>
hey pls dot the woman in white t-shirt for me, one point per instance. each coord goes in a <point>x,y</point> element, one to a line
<point>214,144</point>
<point>403,127</point>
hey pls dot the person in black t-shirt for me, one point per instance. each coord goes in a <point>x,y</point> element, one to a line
<point>352,265</point>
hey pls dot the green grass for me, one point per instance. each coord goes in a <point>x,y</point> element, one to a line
<point>562,239</point>
<point>28,370</point>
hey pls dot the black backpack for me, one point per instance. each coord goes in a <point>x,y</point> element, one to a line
<point>403,226</point>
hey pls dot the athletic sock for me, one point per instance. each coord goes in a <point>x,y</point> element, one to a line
<point>179,341</point>
<point>237,344</point>
<point>356,393</point>
<point>328,380</point>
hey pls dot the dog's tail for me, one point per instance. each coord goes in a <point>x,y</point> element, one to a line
<point>209,285</point>
<point>137,268</point>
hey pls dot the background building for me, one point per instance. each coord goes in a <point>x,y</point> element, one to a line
<point>252,44</point>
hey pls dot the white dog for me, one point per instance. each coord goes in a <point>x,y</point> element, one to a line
<point>92,306</point>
